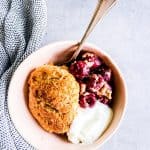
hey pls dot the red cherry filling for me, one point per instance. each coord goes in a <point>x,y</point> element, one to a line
<point>79,69</point>
<point>95,82</point>
<point>87,100</point>
<point>105,72</point>
<point>104,100</point>
<point>91,60</point>
<point>93,76</point>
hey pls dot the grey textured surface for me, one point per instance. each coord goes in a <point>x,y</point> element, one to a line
<point>125,34</point>
<point>22,26</point>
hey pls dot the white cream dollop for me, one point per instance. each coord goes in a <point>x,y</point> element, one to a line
<point>89,124</point>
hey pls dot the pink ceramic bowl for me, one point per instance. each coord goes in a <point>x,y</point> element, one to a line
<point>17,99</point>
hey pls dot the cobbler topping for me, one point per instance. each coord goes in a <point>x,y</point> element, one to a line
<point>82,88</point>
<point>91,59</point>
<point>105,91</point>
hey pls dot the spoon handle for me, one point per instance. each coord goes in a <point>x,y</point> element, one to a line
<point>102,7</point>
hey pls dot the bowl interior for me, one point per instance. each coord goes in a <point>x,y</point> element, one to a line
<point>17,98</point>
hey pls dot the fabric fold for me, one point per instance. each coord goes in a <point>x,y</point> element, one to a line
<point>22,27</point>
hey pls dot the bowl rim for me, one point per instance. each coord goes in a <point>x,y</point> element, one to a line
<point>87,44</point>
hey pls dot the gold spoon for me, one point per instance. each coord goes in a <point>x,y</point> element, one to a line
<point>102,7</point>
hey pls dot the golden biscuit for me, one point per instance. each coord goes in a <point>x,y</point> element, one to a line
<point>53,97</point>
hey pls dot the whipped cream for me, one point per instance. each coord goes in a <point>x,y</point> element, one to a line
<point>90,123</point>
